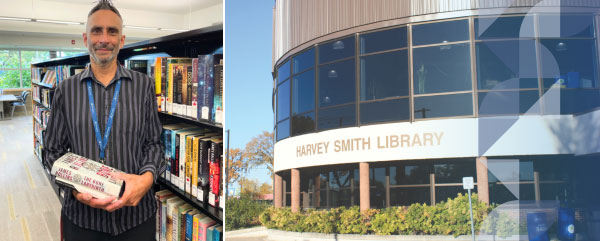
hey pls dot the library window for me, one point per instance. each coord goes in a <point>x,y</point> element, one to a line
<point>337,49</point>
<point>445,68</point>
<point>283,101</point>
<point>283,72</point>
<point>15,65</point>
<point>440,32</point>
<point>337,83</point>
<point>337,117</point>
<point>304,61</point>
<point>504,27</point>
<point>383,40</point>
<point>443,106</point>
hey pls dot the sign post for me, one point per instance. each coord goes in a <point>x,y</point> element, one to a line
<point>468,184</point>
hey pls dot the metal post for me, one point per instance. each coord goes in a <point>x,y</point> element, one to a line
<point>226,168</point>
<point>471,208</point>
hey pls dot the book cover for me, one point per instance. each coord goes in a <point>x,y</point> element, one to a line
<point>189,224</point>
<point>157,83</point>
<point>188,98</point>
<point>194,107</point>
<point>218,233</point>
<point>203,225</point>
<point>161,197</point>
<point>171,62</point>
<point>196,224</point>
<point>163,82</point>
<point>215,171</point>
<point>217,109</point>
<point>88,176</point>
<point>203,167</point>
<point>172,205</point>
<point>209,233</point>
<point>163,221</point>
<point>180,162</point>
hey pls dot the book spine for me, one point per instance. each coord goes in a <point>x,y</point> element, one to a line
<point>182,226</point>
<point>195,231</point>
<point>175,163</point>
<point>188,164</point>
<point>163,220</point>
<point>208,90</point>
<point>188,227</point>
<point>195,166</point>
<point>175,224</point>
<point>181,163</point>
<point>170,86</point>
<point>163,82</point>
<point>194,111</point>
<point>158,217</point>
<point>190,83</point>
<point>157,84</point>
<point>184,88</point>
<point>203,170</point>
<point>217,109</point>
<point>168,154</point>
<point>201,85</point>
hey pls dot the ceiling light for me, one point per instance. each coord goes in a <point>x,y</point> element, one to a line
<point>15,19</point>
<point>172,29</point>
<point>59,22</point>
<point>139,27</point>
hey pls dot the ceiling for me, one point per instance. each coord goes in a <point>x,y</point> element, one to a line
<point>170,6</point>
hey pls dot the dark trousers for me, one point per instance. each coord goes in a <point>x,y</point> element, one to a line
<point>143,232</point>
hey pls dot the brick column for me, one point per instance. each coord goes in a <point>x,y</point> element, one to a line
<point>482,180</point>
<point>295,190</point>
<point>277,191</point>
<point>365,196</point>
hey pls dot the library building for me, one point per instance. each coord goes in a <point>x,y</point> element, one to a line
<point>98,94</point>
<point>389,103</point>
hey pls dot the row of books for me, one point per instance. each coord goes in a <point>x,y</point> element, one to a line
<point>191,87</point>
<point>42,114</point>
<point>193,156</point>
<point>38,129</point>
<point>139,65</point>
<point>52,76</point>
<point>177,220</point>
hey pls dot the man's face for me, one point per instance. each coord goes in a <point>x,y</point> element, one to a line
<point>103,36</point>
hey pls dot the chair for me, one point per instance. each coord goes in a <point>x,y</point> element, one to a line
<point>22,101</point>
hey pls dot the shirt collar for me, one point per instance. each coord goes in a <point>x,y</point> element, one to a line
<point>122,73</point>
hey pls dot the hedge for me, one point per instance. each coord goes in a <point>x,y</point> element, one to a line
<point>243,213</point>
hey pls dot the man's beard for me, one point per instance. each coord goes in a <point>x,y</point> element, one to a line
<point>103,60</point>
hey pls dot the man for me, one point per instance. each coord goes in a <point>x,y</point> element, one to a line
<point>133,142</point>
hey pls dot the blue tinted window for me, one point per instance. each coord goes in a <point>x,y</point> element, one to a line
<point>508,102</point>
<point>443,106</point>
<point>338,49</point>
<point>383,40</point>
<point>302,124</point>
<point>384,111</point>
<point>441,32</point>
<point>304,61</point>
<point>571,101</point>
<point>554,26</point>
<point>504,27</point>
<point>570,63</point>
<point>337,117</point>
<point>283,101</point>
<point>384,75</point>
<point>283,72</point>
<point>441,69</point>
<point>506,65</point>
<point>283,129</point>
<point>337,83</point>
<point>303,92</point>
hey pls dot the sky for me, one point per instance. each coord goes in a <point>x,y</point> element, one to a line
<point>248,80</point>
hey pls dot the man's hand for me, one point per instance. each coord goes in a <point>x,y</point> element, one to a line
<point>136,187</point>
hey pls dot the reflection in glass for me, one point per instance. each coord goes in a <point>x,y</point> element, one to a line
<point>443,106</point>
<point>283,101</point>
<point>303,92</point>
<point>405,196</point>
<point>337,49</point>
<point>410,174</point>
<point>384,75</point>
<point>337,88</point>
<point>340,179</point>
<point>283,72</point>
<point>502,193</point>
<point>555,26</point>
<point>283,129</point>
<point>453,172</point>
<point>302,124</point>
<point>377,183</point>
<point>443,193</point>
<point>382,111</point>
<point>337,117</point>
<point>511,170</point>
<point>438,70</point>
<point>504,27</point>
<point>506,65</point>
<point>442,32</point>
<point>383,40</point>
<point>508,102</point>
<point>304,61</point>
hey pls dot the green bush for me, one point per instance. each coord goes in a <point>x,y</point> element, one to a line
<point>243,212</point>
<point>352,221</point>
<point>390,221</point>
<point>321,221</point>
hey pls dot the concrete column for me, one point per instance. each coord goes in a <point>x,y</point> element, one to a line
<point>317,192</point>
<point>295,190</point>
<point>277,191</point>
<point>483,191</point>
<point>365,196</point>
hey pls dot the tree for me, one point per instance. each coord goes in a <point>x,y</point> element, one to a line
<point>259,151</point>
<point>249,188</point>
<point>265,188</point>
<point>237,165</point>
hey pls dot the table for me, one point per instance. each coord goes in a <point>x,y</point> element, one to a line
<point>4,98</point>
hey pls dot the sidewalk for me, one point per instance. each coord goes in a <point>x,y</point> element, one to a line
<point>250,234</point>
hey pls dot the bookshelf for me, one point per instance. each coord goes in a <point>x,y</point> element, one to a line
<point>185,44</point>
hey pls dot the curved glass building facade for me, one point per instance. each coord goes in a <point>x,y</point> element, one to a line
<point>381,108</point>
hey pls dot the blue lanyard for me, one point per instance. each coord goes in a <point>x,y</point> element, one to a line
<point>113,106</point>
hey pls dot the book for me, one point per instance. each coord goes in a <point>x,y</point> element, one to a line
<point>139,65</point>
<point>191,166</point>
<point>215,152</point>
<point>172,205</point>
<point>168,142</point>
<point>203,168</point>
<point>194,107</point>
<point>181,155</point>
<point>173,79</point>
<point>87,176</point>
<point>218,234</point>
<point>196,224</point>
<point>217,109</point>
<point>206,84</point>
<point>157,82</point>
<point>161,198</point>
<point>179,215</point>
<point>188,94</point>
<point>203,225</point>
<point>174,161</point>
<point>189,224</point>
<point>209,233</point>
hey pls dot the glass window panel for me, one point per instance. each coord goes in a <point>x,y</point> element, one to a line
<point>283,101</point>
<point>30,57</point>
<point>504,27</point>
<point>304,61</point>
<point>27,78</point>
<point>302,124</point>
<point>283,129</point>
<point>383,40</point>
<point>288,200</point>
<point>573,101</point>
<point>502,193</point>
<point>554,26</point>
<point>10,79</point>
<point>383,111</point>
<point>337,83</point>
<point>508,102</point>
<point>441,32</point>
<point>443,193</point>
<point>506,65</point>
<point>443,106</point>
<point>340,179</point>
<point>571,63</point>
<point>283,72</point>
<point>377,183</point>
<point>405,196</point>
<point>441,69</point>
<point>377,175</point>
<point>510,170</point>
<point>556,168</point>
<point>9,59</point>
<point>338,49</point>
<point>340,198</point>
<point>410,174</point>
<point>384,75</point>
<point>337,117</point>
<point>303,92</point>
<point>454,172</point>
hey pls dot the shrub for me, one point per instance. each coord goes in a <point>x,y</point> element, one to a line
<point>352,221</point>
<point>321,221</point>
<point>390,221</point>
<point>243,213</point>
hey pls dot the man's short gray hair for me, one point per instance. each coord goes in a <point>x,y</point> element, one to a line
<point>105,5</point>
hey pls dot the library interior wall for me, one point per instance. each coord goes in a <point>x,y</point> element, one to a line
<point>204,17</point>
